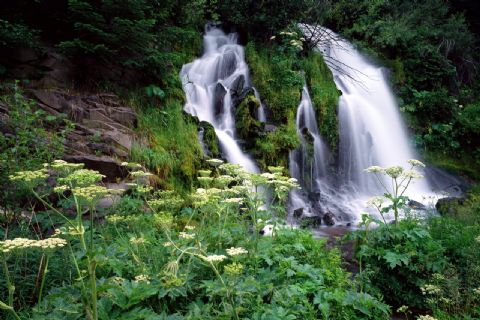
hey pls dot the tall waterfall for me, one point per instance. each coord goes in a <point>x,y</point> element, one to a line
<point>211,85</point>
<point>371,131</point>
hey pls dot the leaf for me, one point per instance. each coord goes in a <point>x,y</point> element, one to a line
<point>395,259</point>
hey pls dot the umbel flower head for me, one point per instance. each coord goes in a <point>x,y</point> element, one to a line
<point>81,178</point>
<point>22,243</point>
<point>214,162</point>
<point>236,251</point>
<point>214,258</point>
<point>30,178</point>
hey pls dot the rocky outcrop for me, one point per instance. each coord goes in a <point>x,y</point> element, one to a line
<point>449,205</point>
<point>102,133</point>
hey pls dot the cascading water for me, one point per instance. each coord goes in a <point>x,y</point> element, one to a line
<point>308,164</point>
<point>211,85</point>
<point>371,132</point>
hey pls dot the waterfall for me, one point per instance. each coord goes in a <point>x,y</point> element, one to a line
<point>213,84</point>
<point>308,163</point>
<point>371,132</point>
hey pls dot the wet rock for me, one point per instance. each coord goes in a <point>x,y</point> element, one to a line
<point>328,219</point>
<point>210,139</point>
<point>268,128</point>
<point>416,205</point>
<point>220,93</point>
<point>228,66</point>
<point>298,213</point>
<point>311,222</point>
<point>314,196</point>
<point>448,205</point>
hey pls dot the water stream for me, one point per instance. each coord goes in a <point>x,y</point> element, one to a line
<point>212,83</point>
<point>371,133</point>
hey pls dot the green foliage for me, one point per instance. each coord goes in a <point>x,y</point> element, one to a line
<point>173,151</point>
<point>25,141</point>
<point>245,118</point>
<point>274,147</point>
<point>433,58</point>
<point>399,260</point>
<point>324,95</point>
<point>277,78</point>
<point>458,232</point>
<point>201,262</point>
<point>15,34</point>
<point>262,19</point>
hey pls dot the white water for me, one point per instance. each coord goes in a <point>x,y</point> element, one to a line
<point>219,71</point>
<point>261,116</point>
<point>371,131</point>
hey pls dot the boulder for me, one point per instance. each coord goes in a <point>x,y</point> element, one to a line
<point>218,101</point>
<point>103,126</point>
<point>415,205</point>
<point>298,213</point>
<point>311,222</point>
<point>107,166</point>
<point>328,219</point>
<point>448,205</point>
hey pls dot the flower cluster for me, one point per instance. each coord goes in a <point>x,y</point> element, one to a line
<point>214,162</point>
<point>426,317</point>
<point>233,269</point>
<point>375,202</point>
<point>81,178</point>
<point>137,240</point>
<point>416,163</point>
<point>22,243</point>
<point>30,178</point>
<point>394,171</point>
<point>214,258</point>
<point>90,193</point>
<point>236,251</point>
<point>64,166</point>
<point>185,235</point>
<point>430,289</point>
<point>142,278</point>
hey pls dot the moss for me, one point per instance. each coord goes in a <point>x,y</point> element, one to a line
<point>210,139</point>
<point>277,78</point>
<point>274,147</point>
<point>465,166</point>
<point>171,150</point>
<point>324,94</point>
<point>247,125</point>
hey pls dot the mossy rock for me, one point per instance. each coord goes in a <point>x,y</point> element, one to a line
<point>210,139</point>
<point>325,95</point>
<point>248,127</point>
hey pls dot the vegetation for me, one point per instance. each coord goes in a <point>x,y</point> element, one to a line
<point>433,58</point>
<point>183,242</point>
<point>161,259</point>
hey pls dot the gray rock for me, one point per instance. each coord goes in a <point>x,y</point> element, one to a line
<point>448,205</point>
<point>107,166</point>
<point>329,219</point>
<point>298,213</point>
<point>416,205</point>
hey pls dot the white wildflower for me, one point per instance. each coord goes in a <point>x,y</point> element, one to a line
<point>236,251</point>
<point>375,169</point>
<point>416,163</point>
<point>214,258</point>
<point>185,235</point>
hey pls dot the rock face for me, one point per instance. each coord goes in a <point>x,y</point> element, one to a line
<point>448,205</point>
<point>102,131</point>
